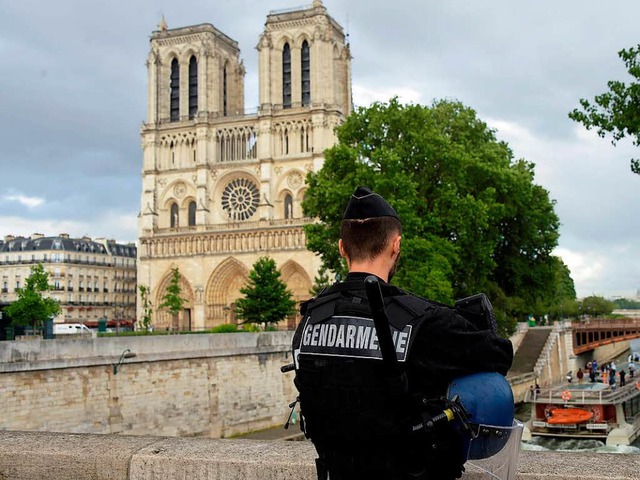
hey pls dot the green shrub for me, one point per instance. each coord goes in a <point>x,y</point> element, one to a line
<point>224,328</point>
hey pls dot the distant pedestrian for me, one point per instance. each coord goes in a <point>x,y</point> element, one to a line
<point>623,374</point>
<point>537,389</point>
<point>612,380</point>
<point>569,376</point>
<point>592,375</point>
<point>632,369</point>
<point>580,375</point>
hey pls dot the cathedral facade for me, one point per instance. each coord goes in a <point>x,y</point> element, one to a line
<point>222,187</point>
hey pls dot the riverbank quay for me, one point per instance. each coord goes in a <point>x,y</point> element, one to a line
<point>67,456</point>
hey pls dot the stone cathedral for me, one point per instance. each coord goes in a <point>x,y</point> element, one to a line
<point>222,186</point>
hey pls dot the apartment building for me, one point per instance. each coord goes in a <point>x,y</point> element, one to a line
<point>92,279</point>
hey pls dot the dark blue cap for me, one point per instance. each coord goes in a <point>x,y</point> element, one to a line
<point>366,204</point>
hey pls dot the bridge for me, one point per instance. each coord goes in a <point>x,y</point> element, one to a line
<point>593,333</point>
<point>544,355</point>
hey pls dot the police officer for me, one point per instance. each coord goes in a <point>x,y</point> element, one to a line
<point>364,422</point>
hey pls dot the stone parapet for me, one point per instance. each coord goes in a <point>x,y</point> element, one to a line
<point>19,356</point>
<point>62,456</point>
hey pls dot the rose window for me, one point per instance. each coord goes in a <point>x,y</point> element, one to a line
<point>240,199</point>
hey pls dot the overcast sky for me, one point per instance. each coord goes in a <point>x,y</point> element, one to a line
<point>73,96</point>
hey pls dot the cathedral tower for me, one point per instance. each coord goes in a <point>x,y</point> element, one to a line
<point>222,187</point>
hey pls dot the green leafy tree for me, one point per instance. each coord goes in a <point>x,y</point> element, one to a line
<point>32,307</point>
<point>172,301</point>
<point>266,297</point>
<point>473,219</point>
<point>617,111</point>
<point>320,282</point>
<point>147,307</point>
<point>595,306</point>
<point>625,303</point>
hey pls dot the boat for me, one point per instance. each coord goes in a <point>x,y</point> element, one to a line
<point>587,410</point>
<point>568,416</point>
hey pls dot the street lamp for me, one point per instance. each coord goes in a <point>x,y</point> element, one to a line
<point>126,354</point>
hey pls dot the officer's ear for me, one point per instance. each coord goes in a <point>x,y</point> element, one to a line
<point>343,253</point>
<point>395,245</point>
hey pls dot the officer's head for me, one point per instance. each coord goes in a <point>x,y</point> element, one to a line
<point>370,232</point>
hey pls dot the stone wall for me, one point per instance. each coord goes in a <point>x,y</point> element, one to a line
<point>54,456</point>
<point>181,385</point>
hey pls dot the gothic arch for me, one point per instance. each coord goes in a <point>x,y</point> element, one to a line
<point>170,54</point>
<point>186,55</point>
<point>184,203</point>
<point>282,41</point>
<point>299,40</point>
<point>223,289</point>
<point>297,280</point>
<point>164,319</point>
<point>299,283</point>
<point>168,195</point>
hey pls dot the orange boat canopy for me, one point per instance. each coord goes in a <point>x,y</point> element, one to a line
<point>561,416</point>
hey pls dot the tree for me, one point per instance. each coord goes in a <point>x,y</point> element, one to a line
<point>473,220</point>
<point>32,307</point>
<point>617,111</point>
<point>595,306</point>
<point>266,297</point>
<point>172,301</point>
<point>320,282</point>
<point>625,303</point>
<point>147,309</point>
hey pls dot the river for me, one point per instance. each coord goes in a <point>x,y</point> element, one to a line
<point>577,445</point>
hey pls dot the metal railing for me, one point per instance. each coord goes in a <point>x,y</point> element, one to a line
<point>605,395</point>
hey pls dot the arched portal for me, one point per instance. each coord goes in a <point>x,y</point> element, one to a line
<point>164,319</point>
<point>299,283</point>
<point>223,289</point>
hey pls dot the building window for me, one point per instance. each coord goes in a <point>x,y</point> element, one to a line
<point>286,142</point>
<point>306,74</point>
<point>286,76</point>
<point>240,199</point>
<point>192,214</point>
<point>193,87</point>
<point>288,206</point>
<point>175,219</point>
<point>175,90</point>
<point>224,90</point>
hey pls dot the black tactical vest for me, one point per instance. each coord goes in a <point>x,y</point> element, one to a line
<point>359,419</point>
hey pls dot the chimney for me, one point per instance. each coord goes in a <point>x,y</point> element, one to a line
<point>8,238</point>
<point>35,236</point>
<point>64,235</point>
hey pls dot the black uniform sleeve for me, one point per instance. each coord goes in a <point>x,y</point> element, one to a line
<point>448,346</point>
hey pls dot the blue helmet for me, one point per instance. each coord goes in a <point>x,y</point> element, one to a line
<point>492,434</point>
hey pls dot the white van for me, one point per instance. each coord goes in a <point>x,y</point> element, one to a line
<point>70,328</point>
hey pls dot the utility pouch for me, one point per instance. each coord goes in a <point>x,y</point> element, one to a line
<point>478,310</point>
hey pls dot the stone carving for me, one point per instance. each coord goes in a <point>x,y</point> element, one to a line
<point>180,189</point>
<point>294,180</point>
